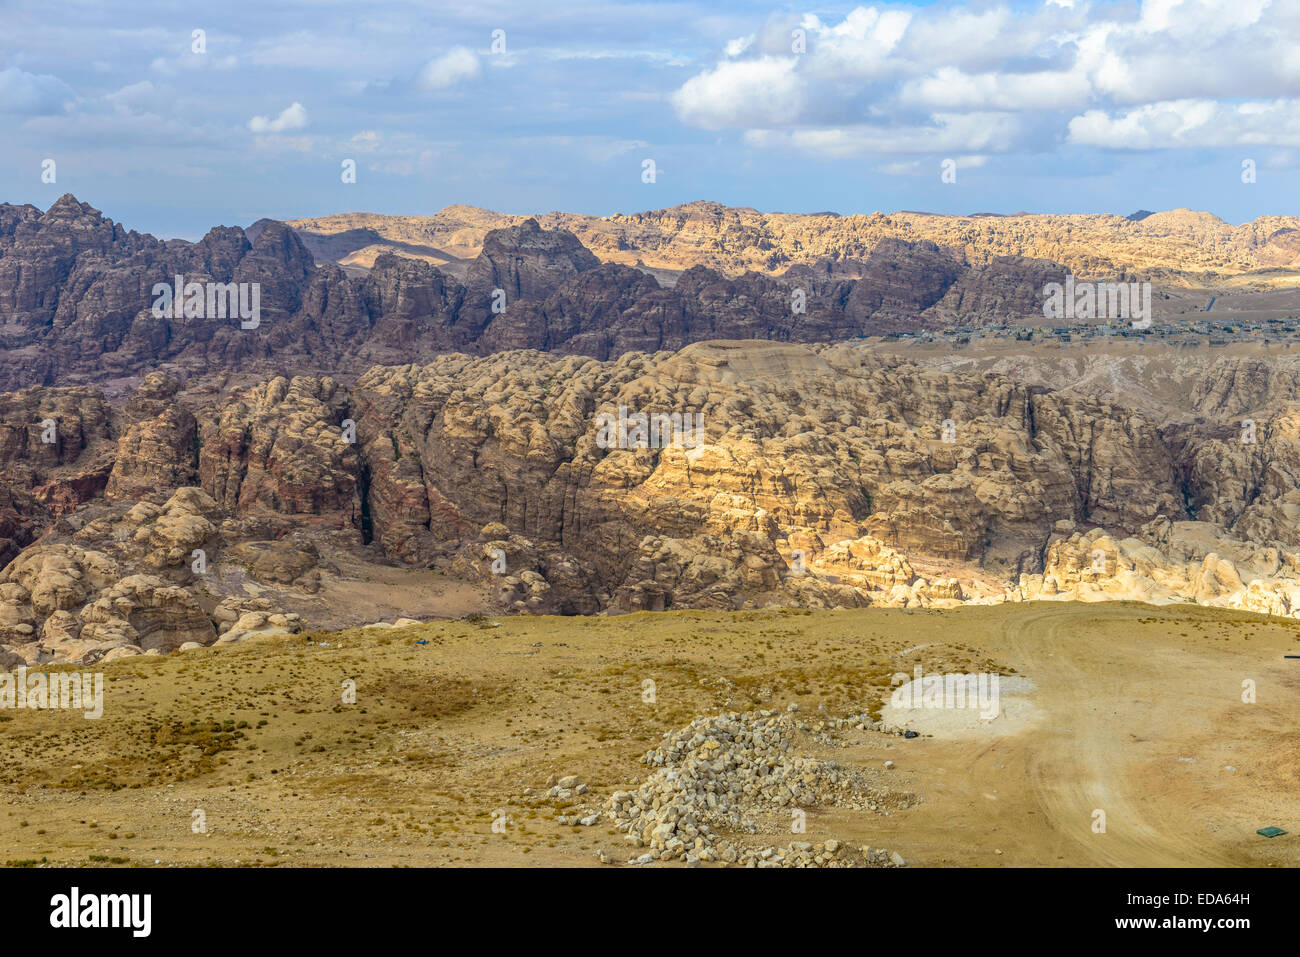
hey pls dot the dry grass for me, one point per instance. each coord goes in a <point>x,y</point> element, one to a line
<point>446,734</point>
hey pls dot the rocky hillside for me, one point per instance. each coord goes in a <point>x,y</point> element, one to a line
<point>77,300</point>
<point>825,475</point>
<point>1178,247</point>
<point>169,480</point>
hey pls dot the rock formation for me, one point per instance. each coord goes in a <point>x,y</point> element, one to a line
<point>210,483</point>
<point>1181,245</point>
<point>82,300</point>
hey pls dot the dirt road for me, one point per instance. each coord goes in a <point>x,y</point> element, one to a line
<point>1134,724</point>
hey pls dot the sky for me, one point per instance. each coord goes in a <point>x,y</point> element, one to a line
<point>175,118</point>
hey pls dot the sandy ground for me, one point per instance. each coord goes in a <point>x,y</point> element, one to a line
<point>996,706</point>
<point>1123,702</point>
<point>364,592</point>
<point>1127,709</point>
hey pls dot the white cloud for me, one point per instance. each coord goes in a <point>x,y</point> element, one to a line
<point>950,133</point>
<point>33,94</point>
<point>861,46</point>
<point>367,141</point>
<point>453,67</point>
<point>951,88</point>
<point>1191,123</point>
<point>897,79</point>
<point>739,45</point>
<point>293,117</point>
<point>663,57</point>
<point>139,97</point>
<point>760,92</point>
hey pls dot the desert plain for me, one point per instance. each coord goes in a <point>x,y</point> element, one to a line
<point>247,755</point>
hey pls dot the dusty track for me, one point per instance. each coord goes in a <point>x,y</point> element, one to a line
<point>1119,707</point>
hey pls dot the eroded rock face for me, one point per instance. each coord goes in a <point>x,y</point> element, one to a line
<point>1008,286</point>
<point>114,582</point>
<point>280,447</point>
<point>156,451</point>
<point>141,577</point>
<point>20,518</point>
<point>1169,561</point>
<point>147,612</point>
<point>1197,247</point>
<point>77,294</point>
<point>826,475</point>
<point>862,465</point>
<point>56,453</point>
<point>528,262</point>
<point>901,280</point>
<point>65,603</point>
<point>526,578</point>
<point>281,562</point>
<point>55,443</point>
<point>77,297</point>
<point>415,309</point>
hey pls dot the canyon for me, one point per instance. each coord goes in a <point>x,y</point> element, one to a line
<point>173,483</point>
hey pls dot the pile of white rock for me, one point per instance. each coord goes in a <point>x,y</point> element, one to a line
<point>563,793</point>
<point>864,722</point>
<point>830,854</point>
<point>259,624</point>
<point>736,772</point>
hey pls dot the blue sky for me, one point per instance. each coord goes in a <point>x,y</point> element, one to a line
<point>1054,106</point>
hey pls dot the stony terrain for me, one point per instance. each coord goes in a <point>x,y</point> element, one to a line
<point>411,443</point>
<point>844,475</point>
<point>724,772</point>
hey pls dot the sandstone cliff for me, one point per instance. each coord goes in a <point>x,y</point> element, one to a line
<point>1181,246</point>
<point>175,482</point>
<point>824,475</point>
<point>77,300</point>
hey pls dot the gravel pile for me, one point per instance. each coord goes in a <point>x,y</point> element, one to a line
<point>739,773</point>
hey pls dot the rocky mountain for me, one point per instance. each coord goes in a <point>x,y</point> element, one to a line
<point>842,474</point>
<point>1178,247</point>
<point>544,426</point>
<point>84,300</point>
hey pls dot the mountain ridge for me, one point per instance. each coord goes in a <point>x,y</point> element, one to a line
<point>77,298</point>
<point>1182,246</point>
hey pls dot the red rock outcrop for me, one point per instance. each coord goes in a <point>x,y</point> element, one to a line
<point>77,300</point>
